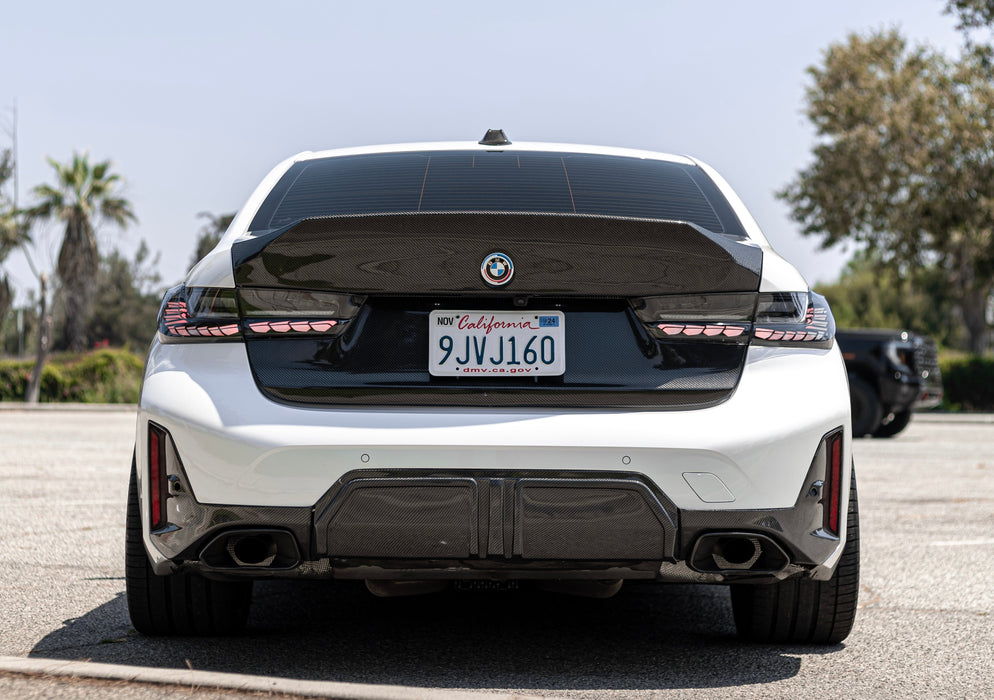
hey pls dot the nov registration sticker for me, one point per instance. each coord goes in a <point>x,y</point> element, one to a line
<point>496,343</point>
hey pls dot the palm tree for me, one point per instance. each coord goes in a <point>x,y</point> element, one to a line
<point>82,193</point>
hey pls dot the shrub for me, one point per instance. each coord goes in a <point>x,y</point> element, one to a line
<point>968,383</point>
<point>101,376</point>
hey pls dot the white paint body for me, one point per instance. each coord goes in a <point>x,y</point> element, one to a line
<point>240,448</point>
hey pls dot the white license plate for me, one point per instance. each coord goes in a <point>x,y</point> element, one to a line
<point>496,343</point>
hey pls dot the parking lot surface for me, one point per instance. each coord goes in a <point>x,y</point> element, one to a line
<point>925,628</point>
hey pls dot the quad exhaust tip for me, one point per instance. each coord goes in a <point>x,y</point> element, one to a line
<point>738,552</point>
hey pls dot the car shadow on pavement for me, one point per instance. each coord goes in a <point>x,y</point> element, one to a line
<point>646,637</point>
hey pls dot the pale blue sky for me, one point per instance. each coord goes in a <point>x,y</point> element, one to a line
<point>195,101</point>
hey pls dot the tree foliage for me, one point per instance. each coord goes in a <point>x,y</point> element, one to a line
<point>12,234</point>
<point>972,14</point>
<point>904,163</point>
<point>210,233</point>
<point>126,302</point>
<point>83,195</point>
<point>871,295</point>
<point>9,233</point>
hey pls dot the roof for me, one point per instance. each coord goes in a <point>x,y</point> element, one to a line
<point>514,146</point>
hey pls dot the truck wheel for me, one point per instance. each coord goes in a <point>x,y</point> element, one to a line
<point>179,603</point>
<point>866,409</point>
<point>801,610</point>
<point>891,429</point>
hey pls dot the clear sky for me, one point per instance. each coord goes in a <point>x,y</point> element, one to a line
<point>195,101</point>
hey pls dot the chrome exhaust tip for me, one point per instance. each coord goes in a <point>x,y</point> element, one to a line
<point>252,549</point>
<point>737,553</point>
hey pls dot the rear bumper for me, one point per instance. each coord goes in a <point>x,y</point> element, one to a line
<point>471,525</point>
<point>408,493</point>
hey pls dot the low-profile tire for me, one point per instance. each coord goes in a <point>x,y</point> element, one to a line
<point>891,429</point>
<point>866,409</point>
<point>800,610</point>
<point>178,603</point>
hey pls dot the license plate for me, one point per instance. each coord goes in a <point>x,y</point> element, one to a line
<point>496,343</point>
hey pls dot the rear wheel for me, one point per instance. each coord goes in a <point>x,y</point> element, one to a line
<point>866,409</point>
<point>178,603</point>
<point>899,423</point>
<point>802,610</point>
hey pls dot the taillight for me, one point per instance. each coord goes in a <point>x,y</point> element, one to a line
<point>292,311</point>
<point>157,476</point>
<point>832,488</point>
<point>199,313</point>
<point>716,317</point>
<point>900,354</point>
<point>217,314</point>
<point>798,319</point>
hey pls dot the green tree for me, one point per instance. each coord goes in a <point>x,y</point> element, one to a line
<point>972,14</point>
<point>210,233</point>
<point>869,294</point>
<point>83,194</point>
<point>12,234</point>
<point>127,299</point>
<point>904,163</point>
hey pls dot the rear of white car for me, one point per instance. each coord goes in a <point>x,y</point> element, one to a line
<point>497,362</point>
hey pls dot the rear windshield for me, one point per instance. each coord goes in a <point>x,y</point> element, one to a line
<point>501,181</point>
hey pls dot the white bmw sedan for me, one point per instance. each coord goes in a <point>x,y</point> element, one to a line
<point>498,364</point>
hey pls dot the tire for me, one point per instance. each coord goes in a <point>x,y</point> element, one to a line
<point>178,603</point>
<point>866,409</point>
<point>891,429</point>
<point>800,610</point>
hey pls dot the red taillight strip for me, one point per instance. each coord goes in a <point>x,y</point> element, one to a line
<point>708,329</point>
<point>176,319</point>
<point>814,329</point>
<point>157,475</point>
<point>833,483</point>
<point>322,326</point>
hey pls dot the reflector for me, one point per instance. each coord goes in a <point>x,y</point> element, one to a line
<point>832,497</point>
<point>157,475</point>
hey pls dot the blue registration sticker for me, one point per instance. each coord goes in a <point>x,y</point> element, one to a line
<point>548,322</point>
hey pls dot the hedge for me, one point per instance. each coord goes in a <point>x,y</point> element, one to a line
<point>968,383</point>
<point>114,376</point>
<point>101,376</point>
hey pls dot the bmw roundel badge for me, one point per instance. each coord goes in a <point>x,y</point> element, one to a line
<point>497,269</point>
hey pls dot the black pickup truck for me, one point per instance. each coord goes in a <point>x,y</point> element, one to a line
<point>891,373</point>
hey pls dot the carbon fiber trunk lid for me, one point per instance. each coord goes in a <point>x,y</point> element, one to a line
<point>585,267</point>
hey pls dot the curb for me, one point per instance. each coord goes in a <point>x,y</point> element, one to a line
<point>982,418</point>
<point>234,681</point>
<point>18,407</point>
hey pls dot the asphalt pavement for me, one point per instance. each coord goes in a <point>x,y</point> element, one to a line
<point>925,628</point>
